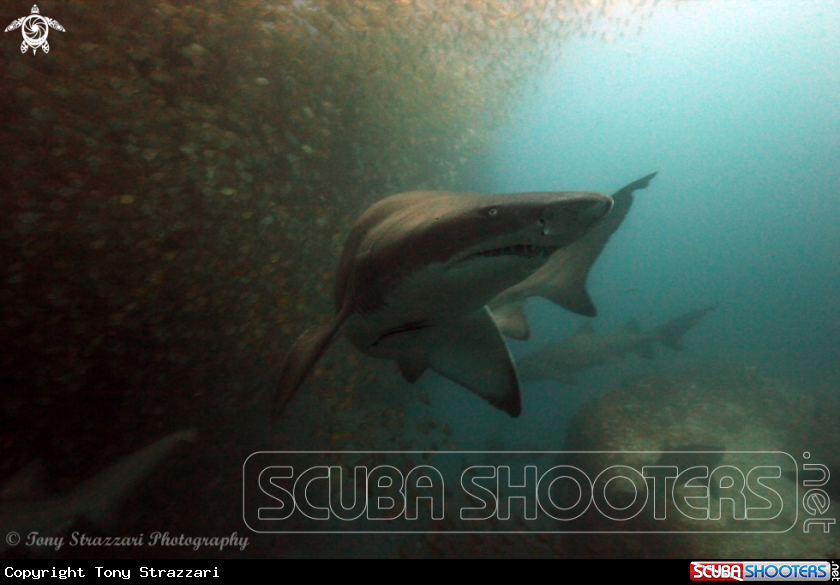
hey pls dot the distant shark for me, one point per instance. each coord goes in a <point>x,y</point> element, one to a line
<point>563,278</point>
<point>586,350</point>
<point>417,272</point>
<point>22,512</point>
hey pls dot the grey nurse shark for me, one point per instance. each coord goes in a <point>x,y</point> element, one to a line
<point>417,272</point>
<point>586,349</point>
<point>22,512</point>
<point>563,278</point>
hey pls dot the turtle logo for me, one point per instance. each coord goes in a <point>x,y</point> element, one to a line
<point>35,29</point>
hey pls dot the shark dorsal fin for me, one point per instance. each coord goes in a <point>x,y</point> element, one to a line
<point>473,353</point>
<point>632,327</point>
<point>512,321</point>
<point>300,360</point>
<point>26,484</point>
<point>670,333</point>
<point>586,328</point>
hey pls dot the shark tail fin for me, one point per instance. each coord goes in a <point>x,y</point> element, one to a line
<point>670,333</point>
<point>570,266</point>
<point>574,296</point>
<point>642,183</point>
<point>300,360</point>
<point>512,321</point>
<point>99,497</point>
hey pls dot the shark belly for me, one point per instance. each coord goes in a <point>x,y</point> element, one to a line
<point>433,322</point>
<point>433,299</point>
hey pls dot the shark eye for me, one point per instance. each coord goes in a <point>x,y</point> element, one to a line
<point>541,221</point>
<point>492,212</point>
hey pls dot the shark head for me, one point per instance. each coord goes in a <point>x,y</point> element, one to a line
<point>417,272</point>
<point>563,278</point>
<point>468,243</point>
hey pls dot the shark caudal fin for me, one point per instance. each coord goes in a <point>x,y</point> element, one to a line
<point>642,183</point>
<point>300,360</point>
<point>669,334</point>
<point>473,353</point>
<point>512,321</point>
<point>571,294</point>
<point>562,279</point>
<point>99,497</point>
<point>570,266</point>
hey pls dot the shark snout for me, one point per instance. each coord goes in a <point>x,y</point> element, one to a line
<point>595,207</point>
<point>576,214</point>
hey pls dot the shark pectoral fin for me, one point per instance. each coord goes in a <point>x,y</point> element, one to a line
<point>413,367</point>
<point>300,360</point>
<point>473,354</point>
<point>512,321</point>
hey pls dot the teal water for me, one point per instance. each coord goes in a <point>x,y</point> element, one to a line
<point>737,105</point>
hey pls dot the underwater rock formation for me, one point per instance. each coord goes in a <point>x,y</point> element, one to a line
<point>721,410</point>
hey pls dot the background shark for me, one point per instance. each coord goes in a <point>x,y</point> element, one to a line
<point>417,272</point>
<point>563,278</point>
<point>96,499</point>
<point>586,350</point>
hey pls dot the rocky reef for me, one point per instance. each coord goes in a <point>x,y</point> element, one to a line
<point>727,417</point>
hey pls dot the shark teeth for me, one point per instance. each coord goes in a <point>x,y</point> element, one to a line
<point>522,250</point>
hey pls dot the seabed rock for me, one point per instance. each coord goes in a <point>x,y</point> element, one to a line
<point>732,420</point>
